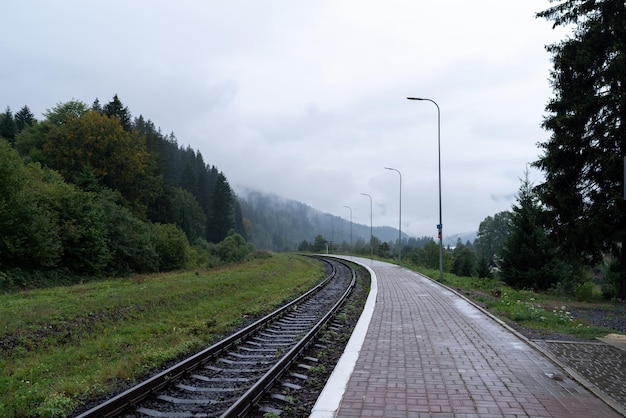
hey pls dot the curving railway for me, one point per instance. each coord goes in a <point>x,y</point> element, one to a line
<point>233,377</point>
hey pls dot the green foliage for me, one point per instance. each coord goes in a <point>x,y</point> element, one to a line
<point>464,260</point>
<point>304,246</point>
<point>46,223</point>
<point>483,268</point>
<point>529,259</point>
<point>64,112</point>
<point>29,230</point>
<point>233,248</point>
<point>171,246</point>
<point>530,309</point>
<point>610,271</point>
<point>83,232</point>
<point>187,213</point>
<point>112,180</point>
<point>116,109</point>
<point>95,149</point>
<point>24,118</point>
<point>584,292</point>
<point>384,250</point>
<point>583,159</point>
<point>29,142</point>
<point>492,233</point>
<point>8,127</point>
<point>75,344</point>
<point>221,216</point>
<point>129,239</point>
<point>319,244</point>
<point>429,256</point>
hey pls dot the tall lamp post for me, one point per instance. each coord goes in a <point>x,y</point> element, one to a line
<point>399,217</point>
<point>332,231</point>
<point>440,226</point>
<point>350,227</point>
<point>371,227</point>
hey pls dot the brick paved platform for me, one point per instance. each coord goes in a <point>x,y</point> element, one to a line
<point>420,350</point>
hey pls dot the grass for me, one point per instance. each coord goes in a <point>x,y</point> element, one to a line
<point>64,345</point>
<point>545,312</point>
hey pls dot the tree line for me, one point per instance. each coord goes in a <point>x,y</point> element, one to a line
<point>90,190</point>
<point>513,246</point>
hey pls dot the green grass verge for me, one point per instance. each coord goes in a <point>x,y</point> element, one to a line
<point>66,344</point>
<point>544,312</point>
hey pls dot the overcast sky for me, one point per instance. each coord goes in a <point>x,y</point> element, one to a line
<point>307,99</point>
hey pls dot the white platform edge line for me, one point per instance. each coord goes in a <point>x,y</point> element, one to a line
<point>329,400</point>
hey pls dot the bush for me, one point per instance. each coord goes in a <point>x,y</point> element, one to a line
<point>610,286</point>
<point>130,240</point>
<point>29,230</point>
<point>233,248</point>
<point>83,231</point>
<point>171,246</point>
<point>610,272</point>
<point>584,292</point>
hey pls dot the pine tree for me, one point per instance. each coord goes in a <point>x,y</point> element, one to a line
<point>24,118</point>
<point>117,109</point>
<point>8,128</point>
<point>529,260</point>
<point>221,218</point>
<point>96,106</point>
<point>583,159</point>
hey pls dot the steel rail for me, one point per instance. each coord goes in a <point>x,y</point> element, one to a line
<point>141,391</point>
<point>243,405</point>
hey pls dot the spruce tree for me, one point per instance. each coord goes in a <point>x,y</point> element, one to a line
<point>23,118</point>
<point>583,159</point>
<point>116,108</point>
<point>96,106</point>
<point>529,260</point>
<point>221,219</point>
<point>8,128</point>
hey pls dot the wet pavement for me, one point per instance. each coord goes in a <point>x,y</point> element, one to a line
<point>601,365</point>
<point>421,350</point>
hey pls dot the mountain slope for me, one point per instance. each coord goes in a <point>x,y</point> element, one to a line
<point>280,224</point>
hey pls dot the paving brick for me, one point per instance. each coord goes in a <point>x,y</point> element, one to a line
<point>428,352</point>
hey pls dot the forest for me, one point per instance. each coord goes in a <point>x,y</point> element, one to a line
<point>90,191</point>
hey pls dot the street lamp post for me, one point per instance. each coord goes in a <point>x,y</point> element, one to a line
<point>332,231</point>
<point>440,226</point>
<point>399,217</point>
<point>371,227</point>
<point>350,227</point>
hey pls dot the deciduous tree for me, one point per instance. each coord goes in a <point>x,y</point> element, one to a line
<point>95,149</point>
<point>29,231</point>
<point>492,233</point>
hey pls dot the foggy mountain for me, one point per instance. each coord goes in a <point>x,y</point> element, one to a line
<point>280,224</point>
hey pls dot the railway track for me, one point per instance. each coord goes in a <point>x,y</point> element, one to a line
<point>229,378</point>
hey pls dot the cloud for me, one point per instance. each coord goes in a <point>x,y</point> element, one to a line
<point>307,100</point>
